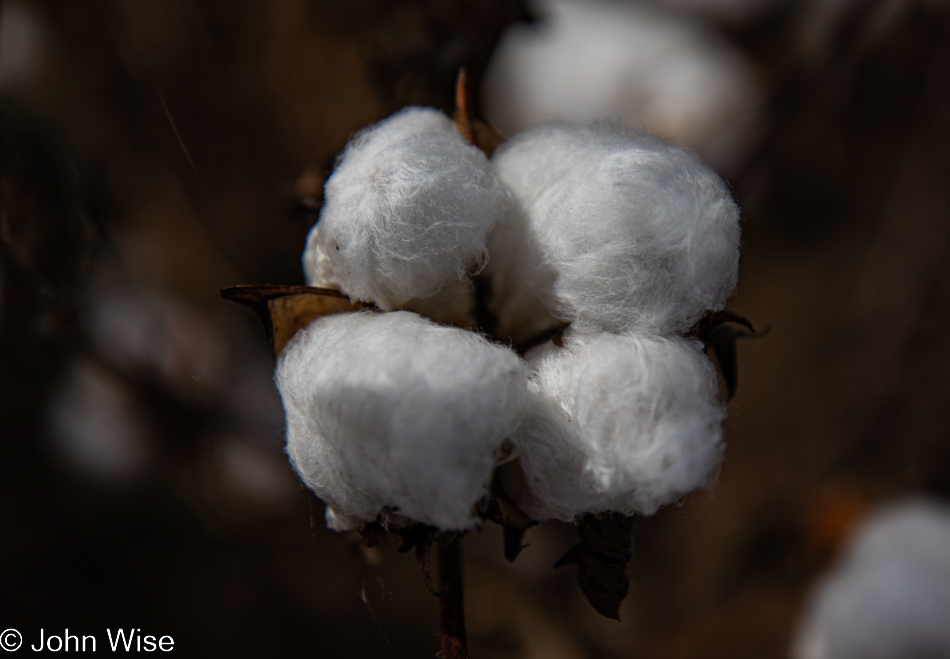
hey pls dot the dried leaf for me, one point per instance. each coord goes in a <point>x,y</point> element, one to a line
<point>501,508</point>
<point>286,309</point>
<point>573,556</point>
<point>602,558</point>
<point>514,542</point>
<point>717,332</point>
<point>713,319</point>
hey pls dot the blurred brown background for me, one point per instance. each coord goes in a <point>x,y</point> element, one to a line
<point>152,153</point>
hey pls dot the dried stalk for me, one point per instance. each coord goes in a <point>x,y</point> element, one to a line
<point>451,604</point>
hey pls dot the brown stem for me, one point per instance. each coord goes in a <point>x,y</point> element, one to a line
<point>463,115</point>
<point>451,605</point>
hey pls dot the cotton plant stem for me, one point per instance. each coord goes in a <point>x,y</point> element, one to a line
<point>451,604</point>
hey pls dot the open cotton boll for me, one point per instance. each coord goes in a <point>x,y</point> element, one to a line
<point>889,595</point>
<point>611,229</point>
<point>406,210</point>
<point>590,60</point>
<point>393,411</point>
<point>624,423</point>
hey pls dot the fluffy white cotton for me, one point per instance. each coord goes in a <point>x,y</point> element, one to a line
<point>393,411</point>
<point>625,423</point>
<point>611,229</point>
<point>589,60</point>
<point>406,212</point>
<point>521,274</point>
<point>889,596</point>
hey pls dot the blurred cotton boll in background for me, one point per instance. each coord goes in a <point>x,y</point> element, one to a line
<point>889,596</point>
<point>21,44</point>
<point>159,336</point>
<point>622,61</point>
<point>186,350</point>
<point>96,426</point>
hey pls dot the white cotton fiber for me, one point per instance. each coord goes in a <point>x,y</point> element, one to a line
<point>889,595</point>
<point>406,211</point>
<point>591,60</point>
<point>610,228</point>
<point>522,278</point>
<point>393,411</point>
<point>624,423</point>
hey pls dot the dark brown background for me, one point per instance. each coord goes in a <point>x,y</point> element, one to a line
<point>111,231</point>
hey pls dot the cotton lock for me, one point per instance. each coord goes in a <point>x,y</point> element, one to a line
<point>390,413</point>
<point>406,213</point>
<point>611,229</point>
<point>625,423</point>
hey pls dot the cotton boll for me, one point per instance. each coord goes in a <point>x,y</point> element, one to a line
<point>589,60</point>
<point>96,426</point>
<point>393,411</point>
<point>611,229</point>
<point>624,423</point>
<point>889,596</point>
<point>407,210</point>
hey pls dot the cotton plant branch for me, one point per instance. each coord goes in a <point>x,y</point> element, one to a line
<point>451,598</point>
